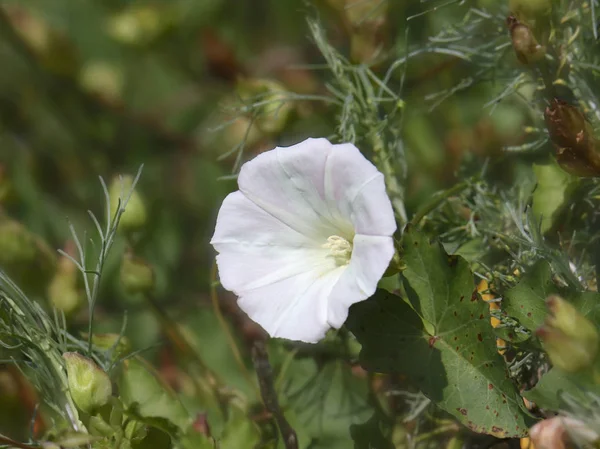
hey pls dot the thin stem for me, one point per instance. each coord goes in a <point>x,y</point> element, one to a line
<point>264,371</point>
<point>13,443</point>
<point>438,199</point>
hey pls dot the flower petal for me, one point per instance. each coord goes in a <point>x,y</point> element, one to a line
<point>370,258</point>
<point>294,308</point>
<point>357,189</point>
<point>256,249</point>
<point>320,189</point>
<point>288,184</point>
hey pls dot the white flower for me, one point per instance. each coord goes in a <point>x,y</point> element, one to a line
<point>308,234</point>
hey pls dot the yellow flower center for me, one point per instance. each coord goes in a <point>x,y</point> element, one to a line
<point>339,248</point>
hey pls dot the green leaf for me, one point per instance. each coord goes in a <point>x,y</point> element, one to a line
<point>552,189</point>
<point>195,440</point>
<point>455,362</point>
<point>239,431</point>
<point>147,397</point>
<point>554,384</point>
<point>526,302</point>
<point>322,402</point>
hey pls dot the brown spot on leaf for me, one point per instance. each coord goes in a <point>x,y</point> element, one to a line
<point>479,337</point>
<point>481,316</point>
<point>463,411</point>
<point>490,387</point>
<point>462,297</point>
<point>528,314</point>
<point>497,429</point>
<point>474,296</point>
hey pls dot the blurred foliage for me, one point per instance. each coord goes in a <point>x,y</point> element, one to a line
<point>482,115</point>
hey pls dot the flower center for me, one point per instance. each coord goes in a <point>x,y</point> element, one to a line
<point>339,248</point>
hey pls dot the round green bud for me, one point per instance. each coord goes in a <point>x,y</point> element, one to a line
<point>134,215</point>
<point>137,276</point>
<point>274,110</point>
<point>63,292</point>
<point>89,385</point>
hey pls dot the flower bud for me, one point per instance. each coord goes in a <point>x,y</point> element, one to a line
<point>63,292</point>
<point>119,344</point>
<point>25,256</point>
<point>568,337</point>
<point>137,276</point>
<point>554,433</point>
<point>89,385</point>
<point>577,150</point>
<point>17,245</point>
<point>273,110</point>
<point>139,25</point>
<point>103,79</point>
<point>524,42</point>
<point>134,216</point>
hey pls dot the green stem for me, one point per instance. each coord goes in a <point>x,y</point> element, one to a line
<point>438,199</point>
<point>394,189</point>
<point>12,443</point>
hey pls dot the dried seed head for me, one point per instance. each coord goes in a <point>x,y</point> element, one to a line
<point>526,46</point>
<point>577,150</point>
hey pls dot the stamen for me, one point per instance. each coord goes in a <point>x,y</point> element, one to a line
<point>339,248</point>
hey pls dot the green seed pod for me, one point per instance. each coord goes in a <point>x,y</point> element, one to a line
<point>25,256</point>
<point>90,386</point>
<point>120,346</point>
<point>63,292</point>
<point>273,110</point>
<point>103,79</point>
<point>137,276</point>
<point>134,217</point>
<point>569,338</point>
<point>140,25</point>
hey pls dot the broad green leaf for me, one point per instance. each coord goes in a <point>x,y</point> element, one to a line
<point>322,402</point>
<point>548,392</point>
<point>526,302</point>
<point>552,189</point>
<point>240,431</point>
<point>456,363</point>
<point>144,394</point>
<point>195,440</point>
